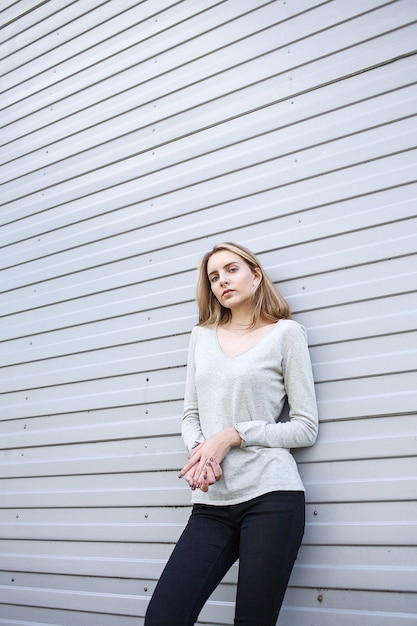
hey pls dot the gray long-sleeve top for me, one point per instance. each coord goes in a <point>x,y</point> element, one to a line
<point>248,392</point>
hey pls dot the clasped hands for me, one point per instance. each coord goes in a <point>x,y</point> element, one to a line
<point>203,467</point>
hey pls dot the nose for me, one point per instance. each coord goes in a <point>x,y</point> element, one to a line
<point>223,281</point>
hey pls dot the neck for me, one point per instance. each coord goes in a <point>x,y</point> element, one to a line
<point>240,320</point>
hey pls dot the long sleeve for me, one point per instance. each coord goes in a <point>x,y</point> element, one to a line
<point>301,429</point>
<point>190,426</point>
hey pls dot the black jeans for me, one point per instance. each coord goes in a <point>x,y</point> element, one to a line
<point>264,534</point>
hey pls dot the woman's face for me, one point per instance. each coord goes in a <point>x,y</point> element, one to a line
<point>232,280</point>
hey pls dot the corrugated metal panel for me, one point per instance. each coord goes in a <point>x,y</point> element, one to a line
<point>134,135</point>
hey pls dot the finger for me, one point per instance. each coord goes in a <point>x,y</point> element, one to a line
<point>189,464</point>
<point>190,477</point>
<point>201,473</point>
<point>203,482</point>
<point>206,478</point>
<point>212,477</point>
<point>213,471</point>
<point>216,467</point>
<point>208,475</point>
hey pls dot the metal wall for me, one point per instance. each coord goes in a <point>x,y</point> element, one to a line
<point>134,136</point>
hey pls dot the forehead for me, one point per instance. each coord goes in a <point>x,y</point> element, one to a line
<point>220,259</point>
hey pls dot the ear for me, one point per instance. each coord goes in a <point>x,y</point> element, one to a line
<point>257,274</point>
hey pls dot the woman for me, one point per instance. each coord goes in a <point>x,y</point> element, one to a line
<point>245,358</point>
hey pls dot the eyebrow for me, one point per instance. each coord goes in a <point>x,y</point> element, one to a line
<point>224,267</point>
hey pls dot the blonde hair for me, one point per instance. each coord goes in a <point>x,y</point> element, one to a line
<point>268,304</point>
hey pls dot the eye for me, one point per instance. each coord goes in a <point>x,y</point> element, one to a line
<point>233,269</point>
<point>213,279</point>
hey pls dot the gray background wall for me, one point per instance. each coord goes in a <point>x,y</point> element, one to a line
<point>134,136</point>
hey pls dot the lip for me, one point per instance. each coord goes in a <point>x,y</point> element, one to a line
<point>227,292</point>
